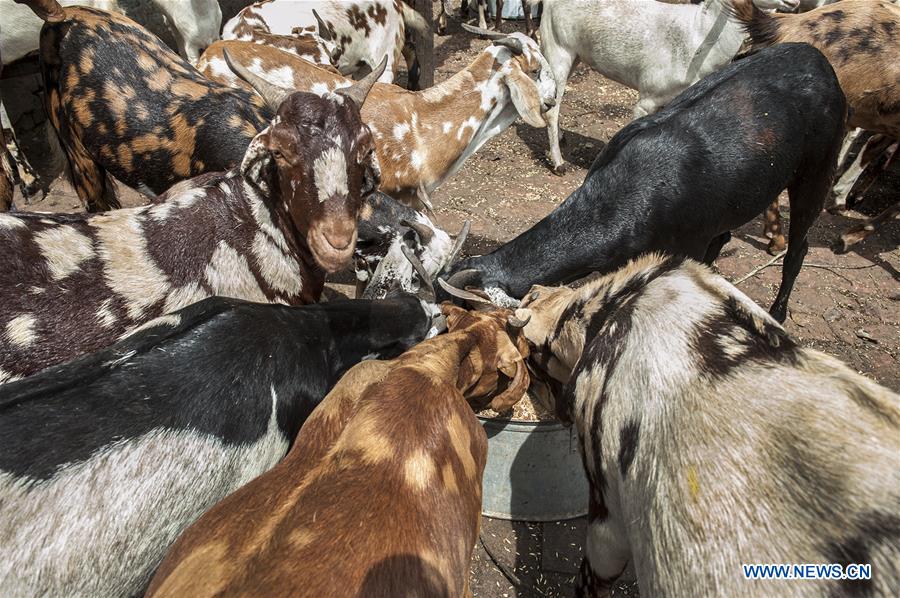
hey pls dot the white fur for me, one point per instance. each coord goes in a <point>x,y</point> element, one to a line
<point>194,24</point>
<point>20,331</point>
<point>101,527</point>
<point>659,49</point>
<point>330,174</point>
<point>64,248</point>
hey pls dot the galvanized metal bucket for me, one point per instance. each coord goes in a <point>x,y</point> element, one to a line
<point>533,472</point>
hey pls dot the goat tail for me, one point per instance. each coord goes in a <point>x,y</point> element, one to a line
<point>762,27</point>
<point>413,20</point>
<point>46,10</point>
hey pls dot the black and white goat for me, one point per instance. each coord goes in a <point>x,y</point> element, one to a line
<point>106,459</point>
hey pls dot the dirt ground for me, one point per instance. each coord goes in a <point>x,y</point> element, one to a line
<point>845,305</point>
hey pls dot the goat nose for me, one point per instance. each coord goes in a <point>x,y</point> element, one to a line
<point>339,241</point>
<point>550,102</point>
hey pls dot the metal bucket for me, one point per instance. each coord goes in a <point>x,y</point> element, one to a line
<point>533,472</point>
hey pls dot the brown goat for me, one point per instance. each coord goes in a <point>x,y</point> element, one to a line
<point>860,39</point>
<point>380,494</point>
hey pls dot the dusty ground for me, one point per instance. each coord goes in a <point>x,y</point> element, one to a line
<point>846,305</point>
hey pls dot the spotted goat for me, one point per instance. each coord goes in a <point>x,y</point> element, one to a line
<point>266,231</point>
<point>122,103</point>
<point>423,138</point>
<point>698,418</point>
<point>106,459</point>
<point>361,32</point>
<point>380,495</point>
<point>304,42</point>
<point>860,38</point>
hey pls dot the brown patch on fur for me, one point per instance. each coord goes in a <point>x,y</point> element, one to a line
<point>408,413</point>
<point>858,37</point>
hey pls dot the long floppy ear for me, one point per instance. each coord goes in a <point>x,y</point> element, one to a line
<point>525,97</point>
<point>515,369</point>
<point>256,165</point>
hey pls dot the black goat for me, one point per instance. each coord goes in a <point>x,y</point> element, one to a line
<point>680,180</point>
<point>104,460</point>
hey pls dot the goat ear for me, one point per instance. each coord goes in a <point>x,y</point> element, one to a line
<point>256,162</point>
<point>525,97</point>
<point>516,389</point>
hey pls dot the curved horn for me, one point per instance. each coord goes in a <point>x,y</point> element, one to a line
<point>359,90</point>
<point>458,244</point>
<point>425,233</point>
<point>517,323</point>
<point>466,295</point>
<point>512,43</point>
<point>272,94</point>
<point>324,33</point>
<point>483,32</point>
<point>515,391</point>
<point>428,288</point>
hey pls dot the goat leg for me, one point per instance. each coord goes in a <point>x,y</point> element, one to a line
<point>772,229</point>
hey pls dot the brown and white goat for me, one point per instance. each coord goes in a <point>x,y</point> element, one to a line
<point>362,31</point>
<point>423,138</point>
<point>712,440</point>
<point>380,494</point>
<point>860,39</point>
<point>267,231</point>
<point>304,41</point>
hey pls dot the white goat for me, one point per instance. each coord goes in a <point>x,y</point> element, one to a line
<point>657,48</point>
<point>194,24</point>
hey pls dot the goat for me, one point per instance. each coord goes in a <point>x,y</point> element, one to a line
<point>267,231</point>
<point>711,439</point>
<point>122,103</point>
<point>7,171</point>
<point>363,31</point>
<point>659,49</point>
<point>859,38</point>
<point>305,42</point>
<point>876,146</point>
<point>679,180</point>
<point>380,494</point>
<point>425,137</point>
<point>107,458</point>
<point>387,230</point>
<point>194,25</point>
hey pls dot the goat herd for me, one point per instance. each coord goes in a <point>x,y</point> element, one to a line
<point>179,416</point>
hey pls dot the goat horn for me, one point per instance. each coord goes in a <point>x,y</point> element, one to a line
<point>359,90</point>
<point>324,33</point>
<point>467,295</point>
<point>272,94</point>
<point>483,32</point>
<point>422,195</point>
<point>425,233</point>
<point>420,270</point>
<point>517,323</point>
<point>458,244</point>
<point>515,45</point>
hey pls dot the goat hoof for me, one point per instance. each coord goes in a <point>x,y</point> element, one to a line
<point>776,245</point>
<point>561,169</point>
